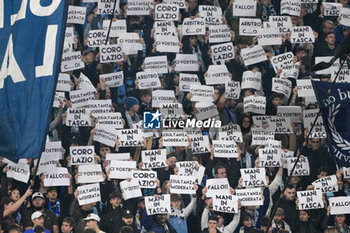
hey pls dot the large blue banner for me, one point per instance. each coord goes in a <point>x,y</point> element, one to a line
<point>336,117</point>
<point>31,41</point>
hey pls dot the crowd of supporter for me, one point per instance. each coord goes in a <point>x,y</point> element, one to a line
<point>28,208</point>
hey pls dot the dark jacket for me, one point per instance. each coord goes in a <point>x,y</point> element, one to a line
<point>157,228</point>
<point>111,220</point>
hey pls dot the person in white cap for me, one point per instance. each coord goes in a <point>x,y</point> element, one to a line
<point>38,220</point>
<point>92,221</point>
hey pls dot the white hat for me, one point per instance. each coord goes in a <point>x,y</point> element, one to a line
<point>36,214</point>
<point>38,194</point>
<point>92,217</point>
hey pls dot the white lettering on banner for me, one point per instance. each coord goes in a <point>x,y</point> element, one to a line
<point>130,189</point>
<point>57,177</point>
<point>158,64</point>
<point>218,186</point>
<point>344,16</point>
<point>78,117</point>
<point>232,90</point>
<point>90,174</point>
<point>270,157</point>
<point>283,23</point>
<point>212,14</point>
<point>319,131</point>
<point>113,79</point>
<point>70,61</point>
<point>261,135</point>
<point>331,9</point>
<point>18,171</point>
<point>225,149</point>
<point>105,135</point>
<point>202,93</point>
<point>282,85</point>
<point>251,79</point>
<point>106,7</point>
<point>244,8</point>
<point>76,14</point>
<point>117,27</point>
<point>269,36</point>
<point>137,7</point>
<point>130,137</point>
<point>182,184</point>
<point>301,169</point>
<point>63,82</point>
<point>121,169</point>
<point>302,34</point>
<point>194,26</point>
<point>250,197</point>
<point>82,155</point>
<point>326,184</point>
<point>219,33</point>
<point>255,104</point>
<point>339,205</point>
<point>253,55</point>
<point>146,179</point>
<point>217,74</point>
<point>157,204</point>
<point>88,194</point>
<point>225,203</point>
<point>253,177</point>
<point>81,98</point>
<point>222,52</point>
<point>249,27</point>
<point>186,80</point>
<point>174,138</point>
<point>162,96</point>
<point>186,62</point>
<point>166,12</point>
<point>310,199</point>
<point>154,158</point>
<point>291,7</point>
<point>111,53</point>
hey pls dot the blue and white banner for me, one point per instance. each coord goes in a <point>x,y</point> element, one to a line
<point>31,41</point>
<point>336,117</point>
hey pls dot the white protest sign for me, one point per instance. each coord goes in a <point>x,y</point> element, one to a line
<point>310,199</point>
<point>85,83</point>
<point>82,155</point>
<point>250,197</point>
<point>211,14</point>
<point>113,119</point>
<point>186,62</point>
<point>326,184</point>
<point>130,189</point>
<point>194,26</point>
<point>253,55</point>
<point>118,156</point>
<point>232,90</point>
<point>339,205</point>
<point>172,111</point>
<point>174,138</point>
<point>162,96</point>
<point>96,38</point>
<point>305,88</point>
<point>54,149</point>
<point>186,80</point>
<point>251,79</point>
<point>182,184</point>
<point>225,149</point>
<point>249,27</point>
<point>344,16</point>
<point>283,23</point>
<point>180,3</point>
<point>57,177</point>
<point>219,33</point>
<point>106,7</point>
<point>122,169</point>
<point>200,144</point>
<point>154,158</point>
<point>270,157</point>
<point>217,74</point>
<point>331,8</point>
<point>89,194</point>
<point>343,77</point>
<point>281,60</point>
<point>137,7</point>
<point>130,137</point>
<point>76,14</point>
<point>302,168</point>
<point>269,36</point>
<point>319,130</point>
<point>113,79</point>
<point>158,64</point>
<point>186,168</point>
<point>47,163</point>
<point>167,44</point>
<point>105,135</point>
<point>281,85</point>
<point>231,133</point>
<point>253,177</point>
<point>217,187</point>
<point>71,61</point>
<point>68,40</point>
<point>292,112</point>
<point>63,82</point>
<point>255,104</point>
<point>18,171</point>
<point>90,174</point>
<point>146,179</point>
<point>168,12</point>
<point>202,93</point>
<point>78,117</point>
<point>117,27</point>
<point>165,28</point>
<point>157,205</point>
<point>130,42</point>
<point>100,106</point>
<point>147,80</point>
<point>261,135</point>
<point>222,52</point>
<point>111,53</point>
<point>81,98</point>
<point>244,8</point>
<point>205,111</point>
<point>303,34</point>
<point>291,7</point>
<point>225,203</point>
<point>329,70</point>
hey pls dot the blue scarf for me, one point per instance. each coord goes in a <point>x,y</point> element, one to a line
<point>58,208</point>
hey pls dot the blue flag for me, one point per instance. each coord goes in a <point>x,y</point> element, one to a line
<point>31,42</point>
<point>336,118</point>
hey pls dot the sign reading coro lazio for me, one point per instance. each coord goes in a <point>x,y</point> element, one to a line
<point>28,72</point>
